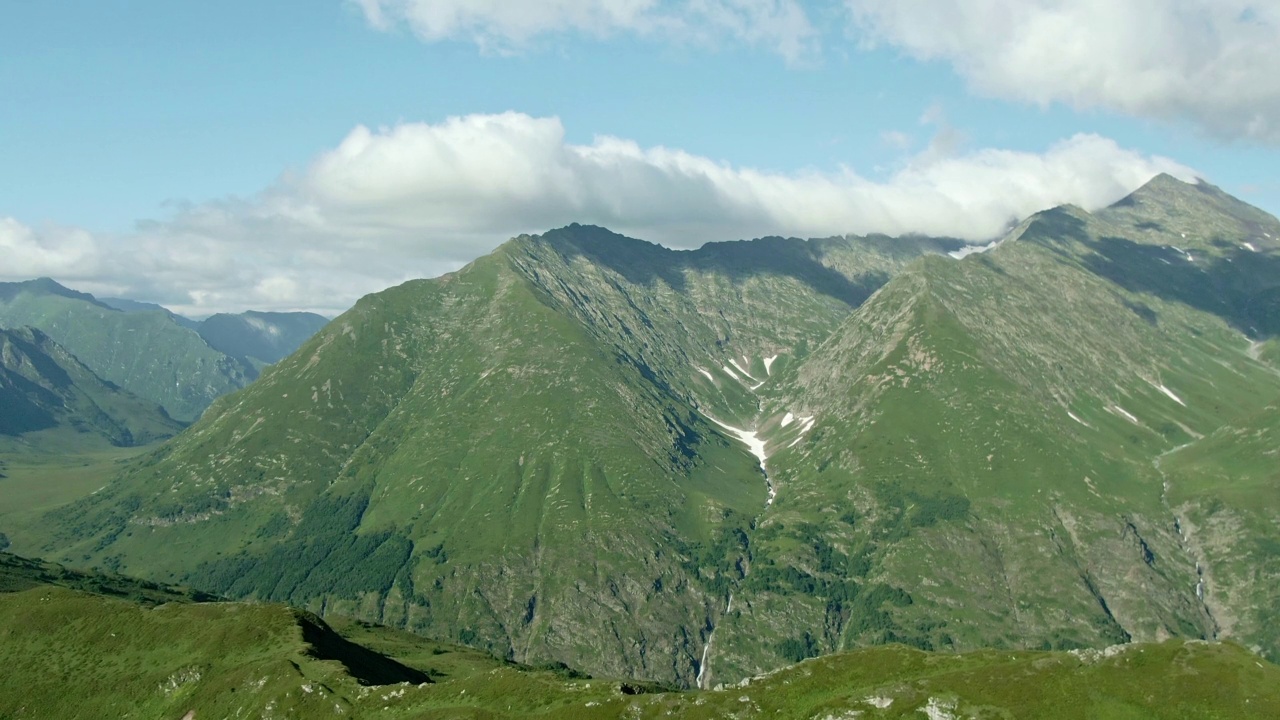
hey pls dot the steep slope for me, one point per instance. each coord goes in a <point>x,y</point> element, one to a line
<point>475,457</point>
<point>980,464</point>
<point>695,467</point>
<point>1225,494</point>
<point>147,353</point>
<point>43,389</point>
<point>259,338</point>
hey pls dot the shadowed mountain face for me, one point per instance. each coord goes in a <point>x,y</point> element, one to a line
<point>697,466</point>
<point>42,387</point>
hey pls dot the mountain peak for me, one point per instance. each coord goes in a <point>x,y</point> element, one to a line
<point>44,286</point>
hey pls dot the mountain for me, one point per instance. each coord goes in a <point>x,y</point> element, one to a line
<point>127,305</point>
<point>44,388</point>
<point>148,353</point>
<point>149,350</point>
<point>695,467</point>
<point>95,645</point>
<point>259,338</point>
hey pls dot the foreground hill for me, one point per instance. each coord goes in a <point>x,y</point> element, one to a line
<point>44,390</point>
<point>79,645</point>
<point>695,467</point>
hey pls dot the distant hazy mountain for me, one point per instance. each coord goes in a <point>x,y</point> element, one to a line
<point>127,305</point>
<point>698,466</point>
<point>147,349</point>
<point>42,387</point>
<point>261,337</point>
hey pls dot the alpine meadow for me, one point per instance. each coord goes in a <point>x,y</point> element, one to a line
<point>983,423</point>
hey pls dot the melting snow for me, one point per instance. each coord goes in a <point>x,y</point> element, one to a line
<point>768,364</point>
<point>786,419</point>
<point>1168,392</point>
<point>756,446</point>
<point>744,372</point>
<point>732,374</point>
<point>707,373</point>
<point>1251,247</point>
<point>1127,415</point>
<point>1073,417</point>
<point>748,438</point>
<point>880,702</point>
<point>808,423</point>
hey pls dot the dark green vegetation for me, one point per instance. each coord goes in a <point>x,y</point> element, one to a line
<point>87,645</point>
<point>147,350</point>
<point>1033,448</point>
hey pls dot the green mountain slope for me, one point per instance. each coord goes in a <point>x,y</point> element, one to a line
<point>91,645</point>
<point>44,391</point>
<point>471,457</point>
<point>178,363</point>
<point>147,353</point>
<point>695,467</point>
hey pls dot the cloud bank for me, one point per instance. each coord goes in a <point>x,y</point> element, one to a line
<point>419,199</point>
<point>1213,63</point>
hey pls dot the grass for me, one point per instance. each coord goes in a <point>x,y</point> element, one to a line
<point>148,651</point>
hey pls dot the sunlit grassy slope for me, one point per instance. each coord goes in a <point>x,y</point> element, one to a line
<point>92,646</point>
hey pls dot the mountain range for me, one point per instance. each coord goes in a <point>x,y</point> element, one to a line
<point>180,364</point>
<point>695,467</point>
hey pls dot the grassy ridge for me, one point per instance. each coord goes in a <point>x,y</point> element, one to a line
<point>115,647</point>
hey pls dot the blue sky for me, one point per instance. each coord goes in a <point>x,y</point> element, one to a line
<point>191,135</point>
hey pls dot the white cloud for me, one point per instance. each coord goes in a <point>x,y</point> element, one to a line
<point>419,199</point>
<point>504,26</point>
<point>28,253</point>
<point>1215,63</point>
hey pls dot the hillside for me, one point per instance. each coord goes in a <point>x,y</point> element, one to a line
<point>90,645</point>
<point>695,467</point>
<point>148,353</point>
<point>45,391</point>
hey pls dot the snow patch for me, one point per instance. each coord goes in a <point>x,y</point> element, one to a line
<point>756,446</point>
<point>786,419</point>
<point>1073,417</point>
<point>768,364</point>
<point>707,373</point>
<point>739,367</point>
<point>731,373</point>
<point>808,424</point>
<point>1168,392</point>
<point>1124,413</point>
<point>878,702</point>
<point>1251,247</point>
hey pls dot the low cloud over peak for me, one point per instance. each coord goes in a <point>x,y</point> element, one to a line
<point>419,199</point>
